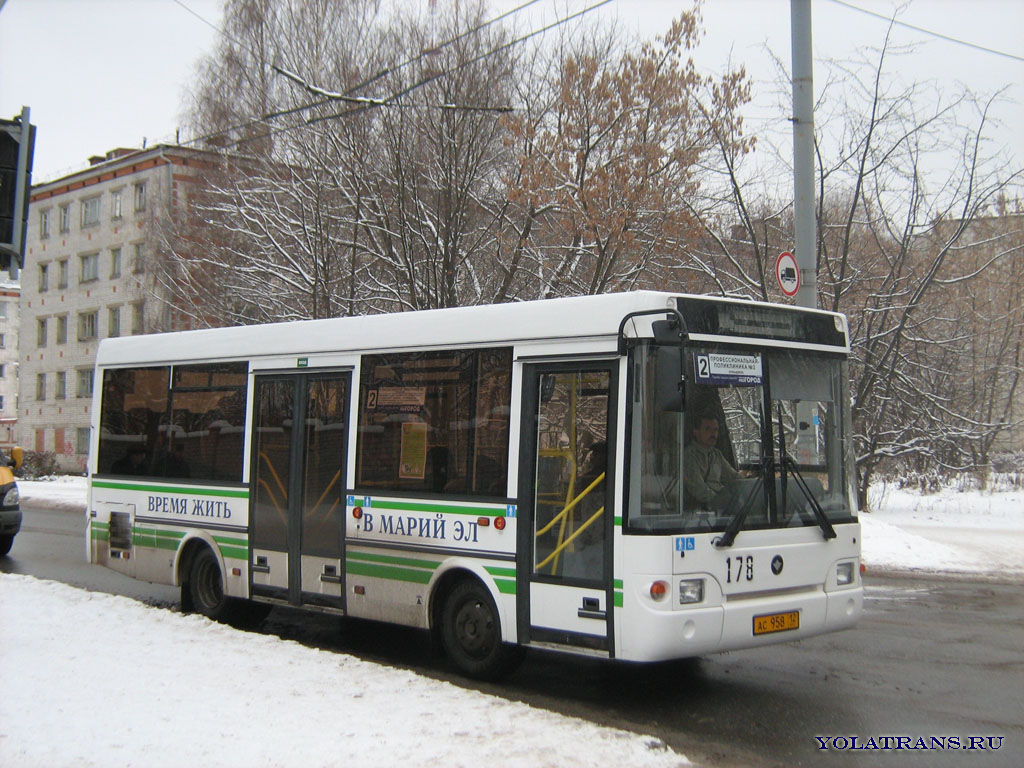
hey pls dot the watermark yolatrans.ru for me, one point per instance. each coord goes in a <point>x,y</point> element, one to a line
<point>895,743</point>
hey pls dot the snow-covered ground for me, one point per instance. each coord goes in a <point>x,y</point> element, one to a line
<point>77,689</point>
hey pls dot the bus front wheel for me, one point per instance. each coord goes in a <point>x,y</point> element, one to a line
<point>471,633</point>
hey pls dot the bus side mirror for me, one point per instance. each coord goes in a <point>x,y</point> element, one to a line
<point>668,368</point>
<point>17,457</point>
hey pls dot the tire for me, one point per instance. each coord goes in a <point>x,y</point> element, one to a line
<point>6,542</point>
<point>206,586</point>
<point>471,633</point>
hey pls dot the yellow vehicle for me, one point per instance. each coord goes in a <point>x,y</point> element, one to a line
<point>10,499</point>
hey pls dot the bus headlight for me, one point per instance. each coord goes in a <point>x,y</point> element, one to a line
<point>12,497</point>
<point>691,591</point>
<point>845,573</point>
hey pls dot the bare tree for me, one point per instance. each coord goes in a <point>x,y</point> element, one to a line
<point>905,176</point>
<point>611,162</point>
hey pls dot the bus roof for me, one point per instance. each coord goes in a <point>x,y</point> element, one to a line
<point>498,324</point>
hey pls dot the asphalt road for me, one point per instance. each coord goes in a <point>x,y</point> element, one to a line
<point>933,660</point>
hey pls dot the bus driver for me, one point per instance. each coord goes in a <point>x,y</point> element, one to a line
<point>706,470</point>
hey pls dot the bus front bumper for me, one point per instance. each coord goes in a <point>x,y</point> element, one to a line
<point>661,635</point>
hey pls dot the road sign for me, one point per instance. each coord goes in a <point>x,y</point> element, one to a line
<point>787,273</point>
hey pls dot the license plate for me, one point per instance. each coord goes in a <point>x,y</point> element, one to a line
<point>776,622</point>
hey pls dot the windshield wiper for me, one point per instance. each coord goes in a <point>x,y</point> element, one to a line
<point>729,536</point>
<point>819,513</point>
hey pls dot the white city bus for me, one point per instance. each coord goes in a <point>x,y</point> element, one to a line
<point>505,476</point>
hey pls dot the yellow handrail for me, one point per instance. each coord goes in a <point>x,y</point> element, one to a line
<point>567,542</point>
<point>569,507</point>
<point>324,494</point>
<point>273,472</point>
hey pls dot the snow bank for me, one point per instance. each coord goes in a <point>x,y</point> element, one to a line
<point>91,679</point>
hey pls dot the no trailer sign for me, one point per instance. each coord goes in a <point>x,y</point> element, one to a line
<point>787,273</point>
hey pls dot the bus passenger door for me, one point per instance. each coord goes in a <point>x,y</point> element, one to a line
<point>300,427</point>
<point>566,504</point>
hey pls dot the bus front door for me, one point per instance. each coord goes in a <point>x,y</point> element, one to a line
<point>297,488</point>
<point>566,505</point>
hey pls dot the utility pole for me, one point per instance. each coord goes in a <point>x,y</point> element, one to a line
<point>803,153</point>
<point>803,198</point>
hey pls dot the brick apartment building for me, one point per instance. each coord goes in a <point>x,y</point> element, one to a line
<point>9,293</point>
<point>91,235</point>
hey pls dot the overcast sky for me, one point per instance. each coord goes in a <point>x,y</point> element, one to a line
<point>99,74</point>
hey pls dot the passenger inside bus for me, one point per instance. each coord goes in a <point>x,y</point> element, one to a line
<point>705,469</point>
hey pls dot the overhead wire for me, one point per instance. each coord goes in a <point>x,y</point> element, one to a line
<point>931,32</point>
<point>363,103</point>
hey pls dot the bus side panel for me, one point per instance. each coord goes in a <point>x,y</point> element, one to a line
<point>142,530</point>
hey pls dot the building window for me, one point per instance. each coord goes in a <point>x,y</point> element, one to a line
<point>58,440</point>
<point>41,328</point>
<point>3,310</point>
<point>62,329</point>
<point>65,217</point>
<point>3,340</point>
<point>40,440</point>
<point>140,197</point>
<point>115,263</point>
<point>82,440</point>
<point>44,278</point>
<point>90,267</point>
<point>137,317</point>
<point>3,370</point>
<point>40,386</point>
<point>61,385</point>
<point>62,274</point>
<point>87,326</point>
<point>1,402</point>
<point>91,211</point>
<point>114,322</point>
<point>85,382</point>
<point>138,259</point>
<point>44,224</point>
<point>115,204</point>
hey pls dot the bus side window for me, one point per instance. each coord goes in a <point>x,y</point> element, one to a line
<point>435,422</point>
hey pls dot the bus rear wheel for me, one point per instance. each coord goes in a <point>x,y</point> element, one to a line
<point>471,633</point>
<point>206,586</point>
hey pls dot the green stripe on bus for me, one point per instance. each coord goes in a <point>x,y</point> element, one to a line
<point>155,542</point>
<point>495,570</point>
<point>100,534</point>
<point>229,493</point>
<point>506,586</point>
<point>618,520</point>
<point>387,572</point>
<point>618,599</point>
<point>142,531</point>
<point>417,506</point>
<point>409,562</point>
<point>222,540</point>
<point>235,548</point>
<point>617,583</point>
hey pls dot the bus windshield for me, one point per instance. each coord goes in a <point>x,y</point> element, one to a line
<point>762,441</point>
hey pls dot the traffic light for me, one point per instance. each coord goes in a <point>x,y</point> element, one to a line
<point>17,143</point>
